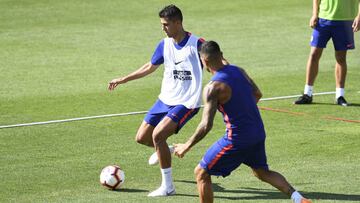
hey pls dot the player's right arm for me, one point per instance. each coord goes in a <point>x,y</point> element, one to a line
<point>156,60</point>
<point>143,71</point>
<point>315,14</point>
<point>211,96</point>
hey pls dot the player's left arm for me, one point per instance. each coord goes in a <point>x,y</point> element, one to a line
<point>356,23</point>
<point>210,96</point>
<point>256,91</point>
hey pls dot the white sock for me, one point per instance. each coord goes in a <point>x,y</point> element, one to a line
<point>340,92</point>
<point>166,175</point>
<point>308,90</point>
<point>296,197</point>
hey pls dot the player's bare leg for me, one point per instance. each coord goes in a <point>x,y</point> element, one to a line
<point>163,130</point>
<point>154,158</point>
<point>312,67</point>
<point>340,76</point>
<point>278,181</point>
<point>340,68</point>
<point>144,134</point>
<point>204,185</point>
<point>275,179</point>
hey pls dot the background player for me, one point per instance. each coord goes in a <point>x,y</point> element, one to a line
<point>235,95</point>
<point>331,19</point>
<point>180,96</point>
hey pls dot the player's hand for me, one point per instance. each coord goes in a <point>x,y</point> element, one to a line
<point>114,83</point>
<point>356,24</point>
<point>180,150</point>
<point>313,21</point>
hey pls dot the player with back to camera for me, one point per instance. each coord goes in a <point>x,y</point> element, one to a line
<point>180,96</point>
<point>336,19</point>
<point>235,95</point>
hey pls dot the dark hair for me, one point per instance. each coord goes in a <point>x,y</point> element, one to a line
<point>210,49</point>
<point>171,12</point>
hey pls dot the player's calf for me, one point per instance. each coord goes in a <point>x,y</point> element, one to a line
<point>278,181</point>
<point>204,185</point>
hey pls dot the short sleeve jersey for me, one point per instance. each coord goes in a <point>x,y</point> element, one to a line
<point>338,9</point>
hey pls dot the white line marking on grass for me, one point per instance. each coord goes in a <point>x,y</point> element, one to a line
<point>129,113</point>
<point>294,96</point>
<point>71,119</point>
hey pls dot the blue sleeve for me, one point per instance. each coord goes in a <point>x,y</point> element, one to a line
<point>158,56</point>
<point>199,43</point>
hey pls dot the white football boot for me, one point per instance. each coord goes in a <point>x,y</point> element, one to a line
<point>162,192</point>
<point>153,160</point>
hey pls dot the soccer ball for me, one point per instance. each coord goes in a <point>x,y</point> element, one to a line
<point>112,177</point>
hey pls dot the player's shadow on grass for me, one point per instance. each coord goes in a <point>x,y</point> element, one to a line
<point>354,105</point>
<point>271,194</point>
<point>332,104</point>
<point>129,190</point>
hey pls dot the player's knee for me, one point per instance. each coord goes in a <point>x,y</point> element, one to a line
<point>340,59</point>
<point>161,134</point>
<point>315,56</point>
<point>158,138</point>
<point>144,134</point>
<point>143,139</point>
<point>196,171</point>
<point>163,130</point>
<point>260,174</point>
<point>139,139</point>
<point>200,174</point>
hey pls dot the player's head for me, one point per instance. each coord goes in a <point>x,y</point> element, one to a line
<point>171,20</point>
<point>171,12</point>
<point>211,55</point>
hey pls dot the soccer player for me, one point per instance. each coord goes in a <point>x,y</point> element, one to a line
<point>180,96</point>
<point>235,95</point>
<point>336,19</point>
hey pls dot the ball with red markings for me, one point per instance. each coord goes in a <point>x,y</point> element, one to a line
<point>112,177</point>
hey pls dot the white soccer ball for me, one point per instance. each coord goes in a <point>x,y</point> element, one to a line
<point>112,177</point>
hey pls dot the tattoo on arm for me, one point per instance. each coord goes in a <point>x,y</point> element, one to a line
<point>210,107</point>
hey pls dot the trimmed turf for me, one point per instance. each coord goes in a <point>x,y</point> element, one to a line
<point>56,58</point>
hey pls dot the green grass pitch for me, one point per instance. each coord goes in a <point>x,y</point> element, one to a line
<point>56,58</point>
